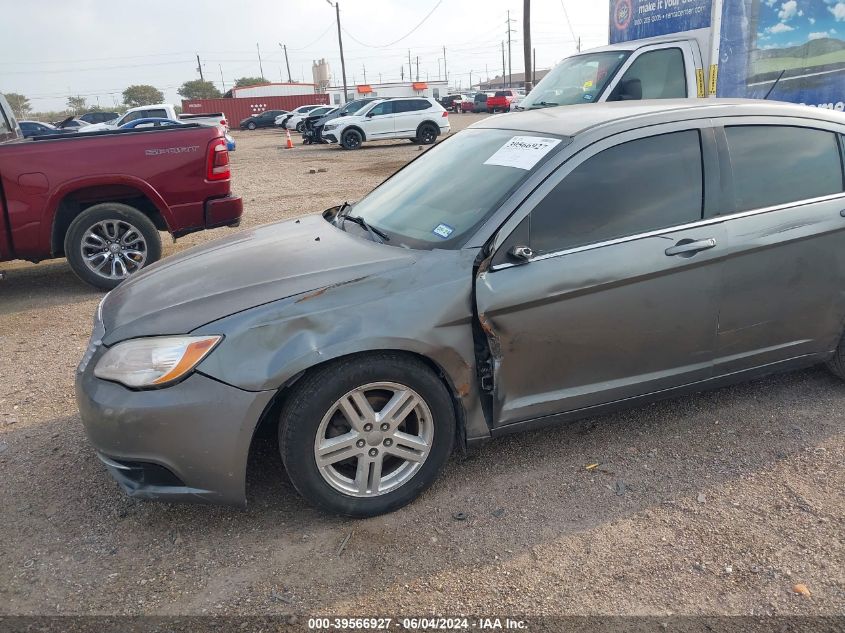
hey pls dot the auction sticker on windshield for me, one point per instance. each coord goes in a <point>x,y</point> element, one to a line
<point>522,152</point>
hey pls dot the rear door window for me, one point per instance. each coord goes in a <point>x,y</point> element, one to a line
<point>157,113</point>
<point>775,164</point>
<point>628,189</point>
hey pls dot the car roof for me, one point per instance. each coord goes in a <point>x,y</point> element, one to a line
<point>575,119</point>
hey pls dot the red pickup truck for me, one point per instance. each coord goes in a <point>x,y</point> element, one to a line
<point>100,199</point>
<point>502,100</point>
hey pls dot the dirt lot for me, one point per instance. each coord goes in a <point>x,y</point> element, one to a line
<point>713,504</point>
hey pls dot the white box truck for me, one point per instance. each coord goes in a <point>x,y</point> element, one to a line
<point>785,50</point>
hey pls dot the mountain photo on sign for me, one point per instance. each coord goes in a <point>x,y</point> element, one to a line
<point>803,39</point>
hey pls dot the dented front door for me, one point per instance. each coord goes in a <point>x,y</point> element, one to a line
<point>601,325</point>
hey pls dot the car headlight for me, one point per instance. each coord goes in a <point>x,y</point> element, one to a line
<point>329,127</point>
<point>155,361</point>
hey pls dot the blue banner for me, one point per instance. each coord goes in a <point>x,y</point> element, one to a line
<point>795,46</point>
<point>638,19</point>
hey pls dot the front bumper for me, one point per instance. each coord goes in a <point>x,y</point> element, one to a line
<point>223,211</point>
<point>188,442</point>
<point>330,137</point>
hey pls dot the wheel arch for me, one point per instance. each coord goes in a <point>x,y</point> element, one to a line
<point>431,123</point>
<point>353,127</point>
<point>269,420</point>
<point>72,199</point>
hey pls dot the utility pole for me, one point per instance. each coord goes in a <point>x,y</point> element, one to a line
<point>336,5</point>
<point>410,68</point>
<point>534,70</point>
<point>364,66</point>
<point>222,81</point>
<point>526,44</point>
<point>260,66</point>
<point>445,72</point>
<point>199,67</point>
<point>510,30</point>
<point>579,44</point>
<point>418,67</point>
<point>402,71</point>
<point>470,79</point>
<point>503,64</point>
<point>284,47</point>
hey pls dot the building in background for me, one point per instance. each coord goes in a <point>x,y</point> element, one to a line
<point>272,90</point>
<point>435,89</point>
<point>517,81</point>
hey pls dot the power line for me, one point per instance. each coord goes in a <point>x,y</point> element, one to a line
<point>428,15</point>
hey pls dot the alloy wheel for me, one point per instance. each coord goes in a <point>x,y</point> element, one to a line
<point>374,439</point>
<point>114,249</point>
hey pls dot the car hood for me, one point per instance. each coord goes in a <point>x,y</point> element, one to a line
<point>253,267</point>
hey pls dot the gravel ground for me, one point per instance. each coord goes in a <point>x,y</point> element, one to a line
<point>718,503</point>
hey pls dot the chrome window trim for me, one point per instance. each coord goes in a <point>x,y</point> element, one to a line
<point>716,219</point>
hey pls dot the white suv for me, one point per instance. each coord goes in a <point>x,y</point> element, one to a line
<point>420,119</point>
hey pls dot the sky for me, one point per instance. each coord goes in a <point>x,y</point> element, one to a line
<point>51,49</point>
<point>789,23</point>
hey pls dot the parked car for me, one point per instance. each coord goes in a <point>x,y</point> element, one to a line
<point>160,111</point>
<point>449,102</point>
<point>37,128</point>
<point>450,306</point>
<point>99,117</point>
<point>501,100</point>
<point>312,131</point>
<point>71,124</point>
<point>151,122</point>
<point>480,101</point>
<point>282,119</point>
<point>101,199</point>
<point>466,105</point>
<point>297,120</point>
<point>420,119</point>
<point>260,120</point>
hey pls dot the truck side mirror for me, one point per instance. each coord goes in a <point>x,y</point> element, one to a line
<point>631,90</point>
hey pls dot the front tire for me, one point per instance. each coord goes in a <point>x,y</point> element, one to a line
<point>300,127</point>
<point>110,241</point>
<point>836,365</point>
<point>366,435</point>
<point>351,139</point>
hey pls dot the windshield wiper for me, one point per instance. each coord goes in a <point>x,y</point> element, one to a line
<point>374,232</point>
<point>546,104</point>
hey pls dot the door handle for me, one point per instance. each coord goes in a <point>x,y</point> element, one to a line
<point>688,248</point>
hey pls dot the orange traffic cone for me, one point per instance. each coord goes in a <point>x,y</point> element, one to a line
<point>290,142</point>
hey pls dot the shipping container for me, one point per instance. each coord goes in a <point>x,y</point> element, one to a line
<point>238,109</point>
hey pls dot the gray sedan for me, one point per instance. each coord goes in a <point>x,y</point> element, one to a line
<point>582,259</point>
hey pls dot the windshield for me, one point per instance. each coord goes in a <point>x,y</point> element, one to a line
<point>353,106</point>
<point>438,200</point>
<point>578,79</point>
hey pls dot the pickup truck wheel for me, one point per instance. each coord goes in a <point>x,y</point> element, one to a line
<point>427,133</point>
<point>108,242</point>
<point>351,139</point>
<point>366,435</point>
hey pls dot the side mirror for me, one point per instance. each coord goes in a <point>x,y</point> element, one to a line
<point>632,90</point>
<point>370,114</point>
<point>521,253</point>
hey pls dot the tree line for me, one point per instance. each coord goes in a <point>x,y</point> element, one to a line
<point>133,96</point>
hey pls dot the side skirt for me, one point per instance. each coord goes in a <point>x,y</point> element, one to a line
<point>789,364</point>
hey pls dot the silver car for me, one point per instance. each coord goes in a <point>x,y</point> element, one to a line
<point>580,260</point>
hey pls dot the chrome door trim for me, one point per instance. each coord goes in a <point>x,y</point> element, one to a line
<point>674,229</point>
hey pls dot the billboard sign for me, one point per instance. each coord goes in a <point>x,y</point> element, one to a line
<point>800,41</point>
<point>639,19</point>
